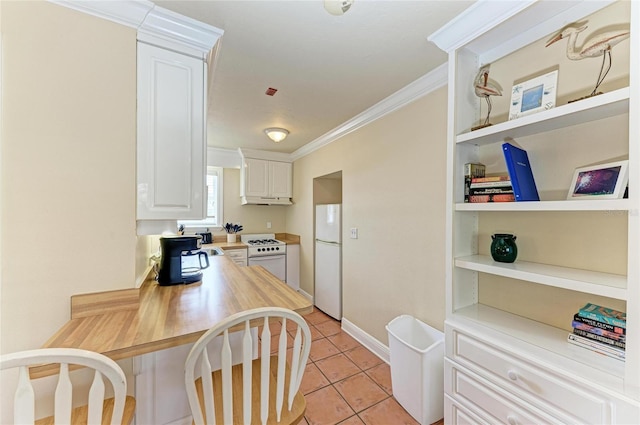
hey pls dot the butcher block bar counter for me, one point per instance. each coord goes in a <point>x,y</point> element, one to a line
<point>132,322</point>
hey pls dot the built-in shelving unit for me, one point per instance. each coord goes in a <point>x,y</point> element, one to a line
<point>594,108</point>
<point>597,283</point>
<point>572,205</point>
<point>472,42</point>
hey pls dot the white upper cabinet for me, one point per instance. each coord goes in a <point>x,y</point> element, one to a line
<point>265,180</point>
<point>171,130</point>
<point>256,178</point>
<point>172,108</point>
<point>280,175</point>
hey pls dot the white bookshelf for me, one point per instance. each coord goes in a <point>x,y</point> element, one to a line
<point>592,109</point>
<point>567,205</point>
<point>472,42</point>
<point>591,282</point>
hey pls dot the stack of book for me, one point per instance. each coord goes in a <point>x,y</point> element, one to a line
<point>491,189</point>
<point>471,171</point>
<point>600,329</point>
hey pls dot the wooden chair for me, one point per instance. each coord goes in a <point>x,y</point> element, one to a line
<point>115,411</point>
<point>253,391</point>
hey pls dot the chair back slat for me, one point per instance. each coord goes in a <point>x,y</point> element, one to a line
<point>282,358</point>
<point>227,392</point>
<point>207,389</point>
<point>276,381</point>
<point>63,403</point>
<point>24,404</point>
<point>295,362</point>
<point>96,398</point>
<point>247,347</point>
<point>264,371</point>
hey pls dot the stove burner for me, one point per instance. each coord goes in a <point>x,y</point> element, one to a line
<point>263,242</point>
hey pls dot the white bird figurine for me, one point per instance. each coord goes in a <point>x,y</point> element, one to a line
<point>600,45</point>
<point>485,88</point>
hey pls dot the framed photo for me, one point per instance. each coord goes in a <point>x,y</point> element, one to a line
<point>535,95</point>
<point>602,181</point>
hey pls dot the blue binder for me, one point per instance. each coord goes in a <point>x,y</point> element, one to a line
<point>519,168</point>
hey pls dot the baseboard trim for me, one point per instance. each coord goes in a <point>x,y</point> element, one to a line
<point>372,344</point>
<point>306,295</point>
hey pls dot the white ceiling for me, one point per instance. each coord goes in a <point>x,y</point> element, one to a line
<point>327,69</point>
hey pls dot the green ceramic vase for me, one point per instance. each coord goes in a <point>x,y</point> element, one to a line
<point>503,247</point>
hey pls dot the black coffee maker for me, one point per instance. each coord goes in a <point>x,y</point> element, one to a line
<point>182,260</point>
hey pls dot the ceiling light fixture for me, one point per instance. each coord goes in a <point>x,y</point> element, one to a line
<point>338,7</point>
<point>276,134</point>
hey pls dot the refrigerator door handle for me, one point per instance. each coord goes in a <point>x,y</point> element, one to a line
<point>328,242</point>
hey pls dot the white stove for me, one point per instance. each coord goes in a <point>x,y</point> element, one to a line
<point>266,251</point>
<point>263,245</point>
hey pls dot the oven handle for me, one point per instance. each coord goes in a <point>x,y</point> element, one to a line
<point>266,257</point>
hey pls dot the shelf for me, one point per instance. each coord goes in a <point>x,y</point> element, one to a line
<point>566,205</point>
<point>591,109</point>
<point>596,283</point>
<point>544,343</point>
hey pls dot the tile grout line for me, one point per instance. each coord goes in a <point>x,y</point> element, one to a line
<point>360,370</point>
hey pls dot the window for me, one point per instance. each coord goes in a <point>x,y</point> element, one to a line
<point>214,202</point>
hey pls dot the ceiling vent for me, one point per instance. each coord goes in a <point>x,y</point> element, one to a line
<point>271,91</point>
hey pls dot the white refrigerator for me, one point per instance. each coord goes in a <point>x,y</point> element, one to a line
<point>328,276</point>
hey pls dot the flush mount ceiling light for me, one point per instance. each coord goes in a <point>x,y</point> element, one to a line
<point>337,7</point>
<point>276,134</point>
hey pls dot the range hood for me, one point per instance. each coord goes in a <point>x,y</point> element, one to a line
<point>256,200</point>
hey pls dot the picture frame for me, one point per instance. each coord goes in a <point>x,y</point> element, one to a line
<point>602,181</point>
<point>534,95</point>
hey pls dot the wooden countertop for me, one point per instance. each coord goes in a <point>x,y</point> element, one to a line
<point>168,316</point>
<point>220,241</point>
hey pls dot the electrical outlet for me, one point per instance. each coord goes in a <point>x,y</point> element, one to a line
<point>268,225</point>
<point>354,233</point>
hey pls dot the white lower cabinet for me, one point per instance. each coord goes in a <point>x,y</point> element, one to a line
<point>491,400</point>
<point>161,398</point>
<point>239,256</point>
<point>461,415</point>
<point>504,386</point>
<point>293,266</point>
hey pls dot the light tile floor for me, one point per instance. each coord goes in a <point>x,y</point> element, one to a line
<point>344,383</point>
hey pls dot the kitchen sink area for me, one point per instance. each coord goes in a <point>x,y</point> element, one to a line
<point>215,251</point>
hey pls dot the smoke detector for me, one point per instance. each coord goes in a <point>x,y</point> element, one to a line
<point>338,7</point>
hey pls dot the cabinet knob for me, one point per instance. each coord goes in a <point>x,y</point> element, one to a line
<point>512,375</point>
<point>511,420</point>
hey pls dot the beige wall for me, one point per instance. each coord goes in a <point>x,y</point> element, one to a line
<point>68,165</point>
<point>392,191</point>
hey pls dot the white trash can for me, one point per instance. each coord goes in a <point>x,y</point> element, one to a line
<point>417,368</point>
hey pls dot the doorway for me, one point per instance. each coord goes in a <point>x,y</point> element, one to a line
<point>327,200</point>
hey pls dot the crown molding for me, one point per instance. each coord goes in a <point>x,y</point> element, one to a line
<point>130,13</point>
<point>268,155</point>
<point>154,24</point>
<point>173,28</point>
<point>475,20</point>
<point>222,157</point>
<point>410,93</point>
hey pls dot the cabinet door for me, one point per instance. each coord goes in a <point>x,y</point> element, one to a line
<point>171,135</point>
<point>293,266</point>
<point>256,177</point>
<point>280,184</point>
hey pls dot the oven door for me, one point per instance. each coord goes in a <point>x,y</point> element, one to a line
<point>275,264</point>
